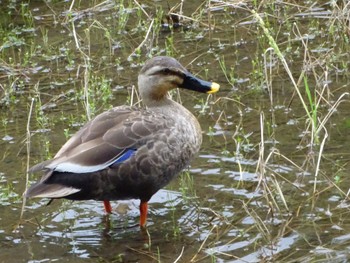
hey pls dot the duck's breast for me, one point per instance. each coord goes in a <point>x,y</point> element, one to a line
<point>161,155</point>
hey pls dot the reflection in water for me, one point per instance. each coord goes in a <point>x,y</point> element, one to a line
<point>83,229</point>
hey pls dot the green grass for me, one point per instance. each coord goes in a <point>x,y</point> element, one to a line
<point>8,194</point>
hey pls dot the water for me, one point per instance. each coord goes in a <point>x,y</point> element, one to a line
<point>242,201</point>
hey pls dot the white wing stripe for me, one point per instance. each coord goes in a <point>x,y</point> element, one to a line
<point>65,191</point>
<point>77,168</point>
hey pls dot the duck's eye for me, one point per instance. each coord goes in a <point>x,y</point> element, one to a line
<point>166,71</point>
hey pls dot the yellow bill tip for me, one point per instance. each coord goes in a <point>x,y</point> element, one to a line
<point>214,88</point>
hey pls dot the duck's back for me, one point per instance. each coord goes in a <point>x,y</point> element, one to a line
<point>124,153</point>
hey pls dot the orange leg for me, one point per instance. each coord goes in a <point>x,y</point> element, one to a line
<point>108,206</point>
<point>143,213</point>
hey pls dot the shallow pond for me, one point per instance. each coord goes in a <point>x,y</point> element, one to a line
<point>271,180</point>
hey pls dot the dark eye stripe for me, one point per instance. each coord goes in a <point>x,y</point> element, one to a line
<point>168,71</point>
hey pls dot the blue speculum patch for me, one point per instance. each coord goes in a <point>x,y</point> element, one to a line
<point>125,155</point>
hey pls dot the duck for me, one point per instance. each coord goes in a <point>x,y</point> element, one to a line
<point>129,152</point>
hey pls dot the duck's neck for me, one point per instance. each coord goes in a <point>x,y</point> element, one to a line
<point>172,108</point>
<point>154,103</point>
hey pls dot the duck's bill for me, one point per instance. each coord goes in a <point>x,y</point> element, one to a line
<point>193,83</point>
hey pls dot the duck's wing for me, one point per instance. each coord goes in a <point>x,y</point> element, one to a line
<point>112,137</point>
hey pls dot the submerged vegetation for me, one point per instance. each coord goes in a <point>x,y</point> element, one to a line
<point>271,182</point>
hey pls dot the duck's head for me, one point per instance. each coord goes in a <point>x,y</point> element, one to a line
<point>161,74</point>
